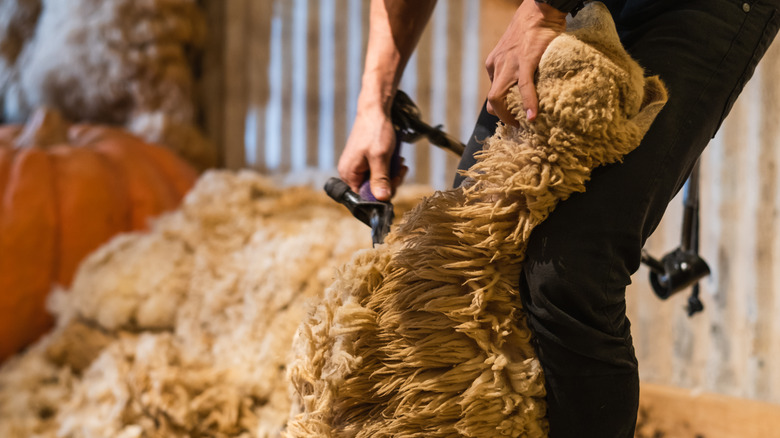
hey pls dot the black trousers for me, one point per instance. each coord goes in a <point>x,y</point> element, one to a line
<point>580,260</point>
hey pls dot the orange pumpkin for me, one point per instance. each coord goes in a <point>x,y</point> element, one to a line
<point>64,190</point>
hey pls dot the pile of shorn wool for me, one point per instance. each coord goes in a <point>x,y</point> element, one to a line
<point>185,330</point>
<point>425,336</point>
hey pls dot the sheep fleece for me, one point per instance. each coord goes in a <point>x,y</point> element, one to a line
<point>425,336</point>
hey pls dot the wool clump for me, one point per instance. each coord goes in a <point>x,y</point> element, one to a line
<point>426,336</point>
<point>123,62</point>
<point>184,330</point>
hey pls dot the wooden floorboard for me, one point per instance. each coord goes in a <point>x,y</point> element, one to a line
<point>669,412</point>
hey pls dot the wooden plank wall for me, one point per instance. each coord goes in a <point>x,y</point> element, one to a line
<point>280,84</point>
<point>281,88</point>
<point>733,347</point>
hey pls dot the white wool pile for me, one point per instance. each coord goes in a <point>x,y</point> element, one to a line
<point>125,62</point>
<point>185,330</point>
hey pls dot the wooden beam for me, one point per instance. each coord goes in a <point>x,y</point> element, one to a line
<point>235,98</point>
<point>212,86</point>
<point>671,412</point>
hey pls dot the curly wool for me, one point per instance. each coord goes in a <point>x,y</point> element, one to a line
<point>122,62</point>
<point>425,336</point>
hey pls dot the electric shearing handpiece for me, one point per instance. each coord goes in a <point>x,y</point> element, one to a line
<point>408,128</point>
<point>376,214</point>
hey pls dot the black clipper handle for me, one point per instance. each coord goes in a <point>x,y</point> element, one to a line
<point>362,209</point>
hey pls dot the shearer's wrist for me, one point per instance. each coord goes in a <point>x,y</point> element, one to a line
<point>376,98</point>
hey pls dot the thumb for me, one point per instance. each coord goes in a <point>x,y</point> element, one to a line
<point>380,178</point>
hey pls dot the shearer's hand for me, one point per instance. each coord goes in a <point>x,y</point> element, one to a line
<point>369,149</point>
<point>516,57</point>
<point>395,27</point>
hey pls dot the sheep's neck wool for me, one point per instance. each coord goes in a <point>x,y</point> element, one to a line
<point>425,336</point>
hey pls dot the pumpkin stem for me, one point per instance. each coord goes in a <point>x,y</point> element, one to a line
<point>45,127</point>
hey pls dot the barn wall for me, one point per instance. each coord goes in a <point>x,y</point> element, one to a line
<point>733,347</point>
<point>281,79</point>
<point>283,76</point>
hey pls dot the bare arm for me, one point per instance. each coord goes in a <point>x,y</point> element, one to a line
<point>516,57</point>
<point>395,29</point>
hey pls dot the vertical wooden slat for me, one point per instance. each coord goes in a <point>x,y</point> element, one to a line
<point>708,229</point>
<point>422,160</point>
<point>358,25</point>
<point>439,80</point>
<point>741,289</point>
<point>717,305</point>
<point>300,124</point>
<point>235,82</point>
<point>473,69</point>
<point>408,85</point>
<point>771,268</point>
<point>213,82</point>
<point>766,229</point>
<point>346,43</point>
<point>326,79</point>
<point>272,138</point>
<point>286,85</point>
<point>258,56</point>
<point>455,37</point>
<point>729,302</point>
<point>365,21</point>
<point>747,367</point>
<point>312,83</point>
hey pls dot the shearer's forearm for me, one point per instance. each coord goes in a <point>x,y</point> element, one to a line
<point>395,29</point>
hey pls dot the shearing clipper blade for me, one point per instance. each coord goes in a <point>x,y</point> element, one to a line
<point>376,214</point>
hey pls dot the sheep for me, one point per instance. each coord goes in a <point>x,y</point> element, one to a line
<point>425,336</point>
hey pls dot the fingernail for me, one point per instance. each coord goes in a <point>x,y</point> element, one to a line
<point>382,192</point>
<point>529,114</point>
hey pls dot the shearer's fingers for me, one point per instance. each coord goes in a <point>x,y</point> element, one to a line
<point>352,169</point>
<point>499,89</point>
<point>525,82</point>
<point>381,186</point>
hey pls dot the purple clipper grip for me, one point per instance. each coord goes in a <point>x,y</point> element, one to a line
<point>395,169</point>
